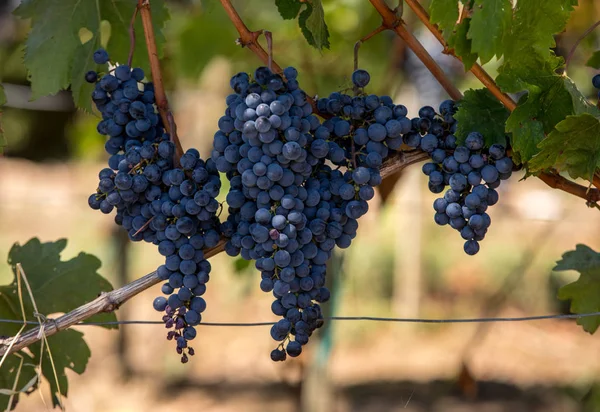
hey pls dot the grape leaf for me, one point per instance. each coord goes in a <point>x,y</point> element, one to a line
<point>574,146</point>
<point>288,9</point>
<point>480,111</point>
<point>12,367</point>
<point>547,102</point>
<point>57,286</point>
<point>461,44</point>
<point>56,55</point>
<point>313,26</point>
<point>69,351</point>
<point>444,13</point>
<point>584,293</point>
<point>594,60</point>
<point>534,25</point>
<point>2,102</point>
<point>490,23</point>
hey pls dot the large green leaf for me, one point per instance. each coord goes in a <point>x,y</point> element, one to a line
<point>57,286</point>
<point>480,111</point>
<point>574,147</point>
<point>65,33</point>
<point>288,9</point>
<point>534,25</point>
<point>21,364</point>
<point>490,23</point>
<point>547,102</point>
<point>444,13</point>
<point>584,293</point>
<point>313,26</point>
<point>461,44</point>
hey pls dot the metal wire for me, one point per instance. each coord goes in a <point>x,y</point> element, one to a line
<point>336,318</point>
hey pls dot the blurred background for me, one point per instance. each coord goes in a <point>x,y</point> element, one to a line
<point>400,265</point>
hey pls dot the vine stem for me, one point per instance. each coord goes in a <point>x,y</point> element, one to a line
<point>159,90</point>
<point>132,36</point>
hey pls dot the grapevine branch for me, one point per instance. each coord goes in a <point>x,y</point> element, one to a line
<point>159,90</point>
<point>552,179</point>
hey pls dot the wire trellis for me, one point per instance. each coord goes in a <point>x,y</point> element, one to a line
<point>336,318</point>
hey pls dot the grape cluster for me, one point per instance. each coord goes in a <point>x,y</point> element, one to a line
<point>362,132</point>
<point>173,207</point>
<point>264,147</point>
<point>472,171</point>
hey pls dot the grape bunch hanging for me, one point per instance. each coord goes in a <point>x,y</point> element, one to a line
<point>300,179</point>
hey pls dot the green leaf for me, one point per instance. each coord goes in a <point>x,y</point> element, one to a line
<point>57,286</point>
<point>534,25</point>
<point>547,102</point>
<point>313,26</point>
<point>21,364</point>
<point>594,60</point>
<point>288,9</point>
<point>56,55</point>
<point>480,111</point>
<point>580,103</point>
<point>584,293</point>
<point>490,23</point>
<point>69,351</point>
<point>2,102</point>
<point>461,44</point>
<point>444,13</point>
<point>574,146</point>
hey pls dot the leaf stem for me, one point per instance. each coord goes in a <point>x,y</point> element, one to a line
<point>159,89</point>
<point>574,47</point>
<point>132,35</point>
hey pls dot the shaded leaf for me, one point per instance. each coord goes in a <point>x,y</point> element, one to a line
<point>574,146</point>
<point>461,44</point>
<point>584,293</point>
<point>547,102</point>
<point>8,374</point>
<point>594,60</point>
<point>490,23</point>
<point>313,26</point>
<point>69,351</point>
<point>444,13</point>
<point>57,57</point>
<point>480,111</point>
<point>288,9</point>
<point>57,286</point>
